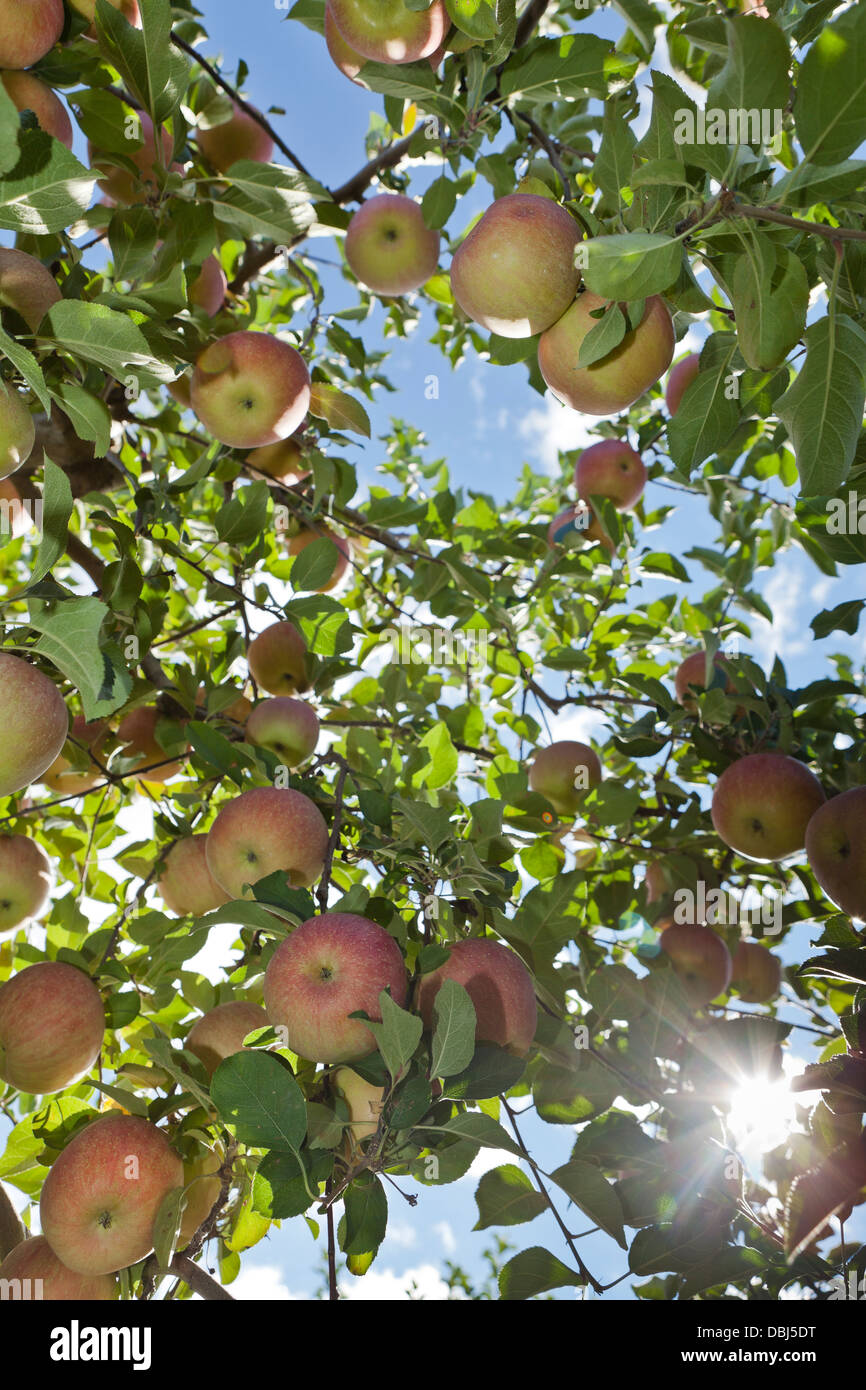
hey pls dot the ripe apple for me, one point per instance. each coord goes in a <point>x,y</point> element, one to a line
<point>30,94</point>
<point>17,430</point>
<point>570,522</point>
<point>52,1023</point>
<point>836,850</point>
<point>181,389</point>
<point>250,389</point>
<point>762,804</point>
<point>25,880</point>
<point>137,735</point>
<point>288,727</point>
<point>221,1031</point>
<point>122,186</point>
<point>208,289</point>
<point>263,831</point>
<point>682,375</point>
<point>28,29</point>
<point>499,986</point>
<point>693,672</point>
<point>240,137</point>
<point>128,8</point>
<point>700,959</point>
<point>186,883</point>
<point>387,31</point>
<point>611,469</point>
<point>332,966</point>
<point>619,378</point>
<point>277,659</point>
<point>302,539</point>
<point>34,1259</point>
<point>389,247</point>
<point>756,973</point>
<point>363,1099</point>
<point>61,777</point>
<point>564,772</point>
<point>283,461</point>
<point>238,712</point>
<point>515,272</point>
<point>34,721</point>
<point>103,1192</point>
<point>203,1184</point>
<point>342,54</point>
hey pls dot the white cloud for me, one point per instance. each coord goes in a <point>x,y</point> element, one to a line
<point>449,1241</point>
<point>264,1283</point>
<point>788,594</point>
<point>384,1285</point>
<point>552,427</point>
<point>404,1235</point>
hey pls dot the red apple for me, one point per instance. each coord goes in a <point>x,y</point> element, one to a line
<point>265,830</point>
<point>389,247</point>
<point>836,850</point>
<point>52,1023</point>
<point>34,721</point>
<point>611,469</point>
<point>302,539</point>
<point>693,672</point>
<point>34,1260</point>
<point>283,461</point>
<point>28,29</point>
<point>208,289</point>
<point>221,1031</point>
<point>61,777</point>
<point>617,380</point>
<point>682,375</point>
<point>122,186</point>
<point>240,137</point>
<point>570,521</point>
<point>287,727</point>
<point>564,772</point>
<point>700,959</point>
<point>186,883</point>
<point>499,986</point>
<point>250,389</point>
<point>756,973</point>
<point>387,31</point>
<point>137,736</point>
<point>277,659</point>
<point>25,880</point>
<point>762,804</point>
<point>342,54</point>
<point>30,94</point>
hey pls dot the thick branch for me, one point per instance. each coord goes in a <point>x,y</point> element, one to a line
<point>771,214</point>
<point>198,1279</point>
<point>528,21</point>
<point>350,192</point>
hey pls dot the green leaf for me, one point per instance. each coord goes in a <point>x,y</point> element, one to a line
<point>492,1072</point>
<point>770,296</point>
<point>477,1128</point>
<point>830,110</point>
<point>398,1034</point>
<point>46,190</point>
<point>267,200</point>
<point>506,1197</point>
<point>366,1218</point>
<point>151,68</point>
<point>24,362</point>
<point>708,413</point>
<point>439,201</point>
<point>254,1092</point>
<point>340,410</point>
<point>632,265</point>
<point>314,565</point>
<point>607,334</point>
<point>576,66</point>
<point>823,408</point>
<point>590,1190</point>
<point>756,71</point>
<point>730,1265</point>
<point>89,416</point>
<point>242,519</point>
<point>70,638</point>
<point>612,169</point>
<point>845,617</point>
<point>441,767</point>
<point>282,1184</point>
<point>477,18</point>
<point>454,1021</point>
<point>57,507</point>
<point>104,336</point>
<point>166,1226</point>
<point>535,1271</point>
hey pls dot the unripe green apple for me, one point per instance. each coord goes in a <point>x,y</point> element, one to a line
<point>34,1259</point>
<point>61,777</point>
<point>700,959</point>
<point>570,522</point>
<point>287,727</point>
<point>186,884</point>
<point>611,469</point>
<point>221,1031</point>
<point>302,539</point>
<point>17,430</point>
<point>564,772</point>
<point>240,137</point>
<point>836,850</point>
<point>387,31</point>
<point>620,378</point>
<point>499,985</point>
<point>762,804</point>
<point>756,973</point>
<point>52,1023</point>
<point>137,735</point>
<point>363,1099</point>
<point>250,389</point>
<point>208,289</point>
<point>30,94</point>
<point>34,721</point>
<point>118,183</point>
<point>28,29</point>
<point>389,247</point>
<point>25,880</point>
<point>681,377</point>
<point>265,830</point>
<point>277,659</point>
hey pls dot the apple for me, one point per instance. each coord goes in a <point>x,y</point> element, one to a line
<point>16,517</point>
<point>332,966</point>
<point>611,469</point>
<point>564,772</point>
<point>28,29</point>
<point>61,777</point>
<point>693,672</point>
<point>664,876</point>
<point>52,1023</point>
<point>17,430</point>
<point>240,137</point>
<point>756,973</point>
<point>34,721</point>
<point>137,735</point>
<point>499,986</point>
<point>515,272</point>
<point>208,289</point>
<point>238,712</point>
<point>203,1186</point>
<point>387,31</point>
<point>128,8</point>
<point>25,880</point>
<point>570,521</point>
<point>30,94</point>
<point>103,1192</point>
<point>363,1099</point>
<point>186,884</point>
<point>250,389</point>
<point>836,850</point>
<point>302,539</point>
<point>762,804</point>
<point>277,659</point>
<point>619,378</point>
<point>283,461</point>
<point>682,375</point>
<point>34,1259</point>
<point>342,54</point>
<point>700,959</point>
<point>389,246</point>
<point>181,389</point>
<point>221,1031</point>
<point>287,727</point>
<point>265,830</point>
<point>118,183</point>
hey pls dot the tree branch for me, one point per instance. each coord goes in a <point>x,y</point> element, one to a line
<point>351,190</point>
<point>528,21</point>
<point>198,1279</point>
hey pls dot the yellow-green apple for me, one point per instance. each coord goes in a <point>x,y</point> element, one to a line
<point>578,521</point>
<point>17,430</point>
<point>363,1099</point>
<point>499,985</point>
<point>103,1192</point>
<point>762,804</point>
<point>756,973</point>
<point>332,966</point>
<point>28,29</point>
<point>387,31</point>
<point>302,539</point>
<point>618,379</point>
<point>836,850</point>
<point>700,959</point>
<point>34,721</point>
<point>221,1031</point>
<point>128,8</point>
<point>277,659</point>
<point>287,727</point>
<point>389,246</point>
<point>250,389</point>
<point>265,830</point>
<point>25,880</point>
<point>283,461</point>
<point>66,780</point>
<point>122,186</point>
<point>240,137</point>
<point>136,734</point>
<point>208,289</point>
<point>693,672</point>
<point>186,884</point>
<point>34,1259</point>
<point>52,1023</point>
<point>203,1187</point>
<point>682,375</point>
<point>564,772</point>
<point>611,469</point>
<point>515,273</point>
<point>30,94</point>
<point>342,54</point>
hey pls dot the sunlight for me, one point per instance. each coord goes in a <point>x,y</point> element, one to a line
<point>762,1114</point>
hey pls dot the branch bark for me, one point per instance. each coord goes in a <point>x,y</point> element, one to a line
<point>198,1279</point>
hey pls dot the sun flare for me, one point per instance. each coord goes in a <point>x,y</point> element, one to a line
<point>762,1114</point>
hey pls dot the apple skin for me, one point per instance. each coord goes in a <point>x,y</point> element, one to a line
<point>34,1259</point>
<point>238,712</point>
<point>128,8</point>
<point>342,54</point>
<point>565,523</point>
<point>60,777</point>
<point>389,247</point>
<point>363,1099</point>
<point>52,1024</point>
<point>240,137</point>
<point>681,377</point>
<point>554,769</point>
<point>836,850</point>
<point>499,986</point>
<point>287,727</point>
<point>30,94</point>
<point>221,1031</point>
<point>756,973</point>
<point>208,289</point>
<point>691,672</point>
<point>619,379</point>
<point>277,659</point>
<point>123,187</point>
<point>265,830</point>
<point>762,804</point>
<point>250,389</point>
<point>386,31</point>
<point>515,272</point>
<point>25,880</point>
<point>103,1192</point>
<point>206,1185</point>
<point>283,461</point>
<point>28,29</point>
<point>700,959</point>
<point>299,542</point>
<point>34,721</point>
<point>611,469</point>
<point>332,966</point>
<point>137,735</point>
<point>186,884</point>
<point>17,430</point>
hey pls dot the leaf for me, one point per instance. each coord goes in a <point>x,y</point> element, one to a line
<point>57,507</point>
<point>242,519</point>
<point>632,265</point>
<point>823,408</point>
<point>454,1022</point>
<point>770,296</point>
<point>755,75</point>
<point>340,410</point>
<point>708,413</point>
<point>492,1072</point>
<point>576,66</point>
<point>104,336</point>
<point>151,68</point>
<point>282,1185</point>
<point>612,169</point>
<point>254,1092</point>
<point>478,1129</point>
<point>819,1194</point>
<point>442,763</point>
<point>535,1271</point>
<point>46,190</point>
<point>366,1216</point>
<point>506,1197</point>
<point>590,1190</point>
<point>24,362</point>
<point>90,417</point>
<point>439,202</point>
<point>477,18</point>
<point>398,1034</point>
<point>267,200</point>
<point>845,617</point>
<point>70,638</point>
<point>730,1265</point>
<point>314,566</point>
<point>830,110</point>
<point>607,334</point>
